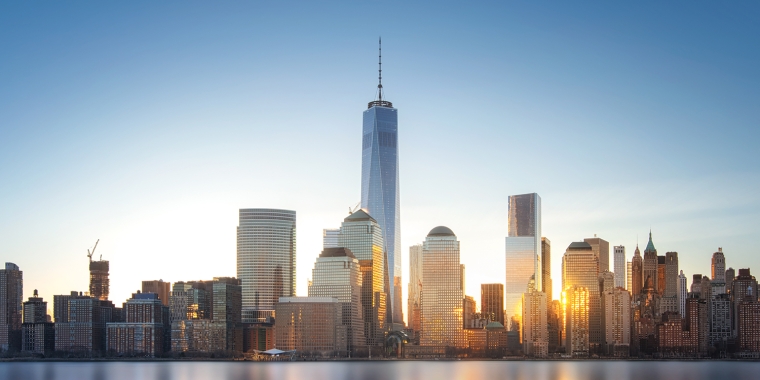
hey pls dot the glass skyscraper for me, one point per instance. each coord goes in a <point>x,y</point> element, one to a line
<point>523,253</point>
<point>266,260</point>
<point>380,187</point>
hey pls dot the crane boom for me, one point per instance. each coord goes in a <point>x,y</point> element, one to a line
<point>90,253</point>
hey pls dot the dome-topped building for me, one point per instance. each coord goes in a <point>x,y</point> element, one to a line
<point>441,231</point>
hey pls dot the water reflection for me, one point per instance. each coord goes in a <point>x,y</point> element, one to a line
<point>391,370</point>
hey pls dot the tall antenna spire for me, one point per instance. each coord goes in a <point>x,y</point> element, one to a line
<point>379,101</point>
<point>380,69</point>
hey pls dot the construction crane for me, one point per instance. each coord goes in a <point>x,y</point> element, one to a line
<point>89,254</point>
<point>352,210</point>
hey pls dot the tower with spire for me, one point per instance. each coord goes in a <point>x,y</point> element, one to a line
<point>637,272</point>
<point>650,263</point>
<point>380,186</point>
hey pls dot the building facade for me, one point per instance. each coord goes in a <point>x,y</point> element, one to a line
<point>310,325</point>
<point>619,266</point>
<point>579,268</point>
<point>523,253</point>
<point>11,297</point>
<point>415,290</point>
<point>337,274</point>
<point>576,339</point>
<point>442,294</point>
<point>617,322</point>
<point>160,288</point>
<point>535,325</point>
<point>266,259</point>
<point>546,268</point>
<point>37,333</point>
<point>492,302</point>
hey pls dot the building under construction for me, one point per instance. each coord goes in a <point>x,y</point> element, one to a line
<point>98,276</point>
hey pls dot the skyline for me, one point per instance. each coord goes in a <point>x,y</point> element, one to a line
<point>153,145</point>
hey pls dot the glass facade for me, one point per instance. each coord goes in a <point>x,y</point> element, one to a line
<point>362,235</point>
<point>266,257</point>
<point>579,265</point>
<point>337,274</point>
<point>442,295</point>
<point>523,253</point>
<point>380,189</point>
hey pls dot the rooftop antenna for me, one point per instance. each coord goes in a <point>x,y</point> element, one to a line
<point>380,69</point>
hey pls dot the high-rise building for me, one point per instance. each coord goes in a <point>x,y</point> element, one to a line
<point>330,237</point>
<point>576,301</point>
<point>601,250</point>
<point>310,325</point>
<point>579,268</point>
<point>143,331</point>
<point>442,294</point>
<point>226,310</point>
<point>415,289</point>
<point>362,235</point>
<point>380,186</point>
<point>546,268</point>
<point>637,270</point>
<point>742,285</point>
<point>11,297</point>
<point>748,322</point>
<point>617,321</point>
<point>718,272</point>
<point>523,253</point>
<point>337,274</point>
<point>620,266</point>
<point>85,330</point>
<point>555,325</point>
<point>720,321</point>
<point>651,263</point>
<point>37,334</point>
<point>730,274</point>
<point>469,313</point>
<point>629,276</point>
<point>535,325</point>
<point>683,292</point>
<point>266,260</point>
<point>99,282</point>
<point>160,288</point>
<point>670,301</point>
<point>492,302</point>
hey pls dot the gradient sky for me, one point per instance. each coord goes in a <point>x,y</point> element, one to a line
<point>147,125</point>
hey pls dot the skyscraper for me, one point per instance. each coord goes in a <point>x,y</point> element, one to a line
<point>442,295</point>
<point>380,185</point>
<point>11,297</point>
<point>579,268</point>
<point>620,266</point>
<point>576,339</point>
<point>534,328</point>
<point>337,274</point>
<point>330,237</point>
<point>362,235</point>
<point>492,302</point>
<point>651,263</point>
<point>546,269</point>
<point>601,249</point>
<point>718,272</point>
<point>523,253</point>
<point>617,321</point>
<point>161,288</point>
<point>99,282</point>
<point>683,291</point>
<point>637,270</point>
<point>266,260</point>
<point>37,334</point>
<point>415,289</point>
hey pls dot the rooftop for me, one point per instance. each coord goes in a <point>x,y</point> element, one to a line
<point>441,231</point>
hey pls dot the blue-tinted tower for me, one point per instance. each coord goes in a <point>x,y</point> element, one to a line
<point>380,188</point>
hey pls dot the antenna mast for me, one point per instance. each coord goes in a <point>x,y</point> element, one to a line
<point>380,69</point>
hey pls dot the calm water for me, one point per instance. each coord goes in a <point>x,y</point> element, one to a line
<point>383,370</point>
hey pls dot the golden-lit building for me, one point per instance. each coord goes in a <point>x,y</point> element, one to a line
<point>442,294</point>
<point>310,325</point>
<point>617,321</point>
<point>362,235</point>
<point>576,301</point>
<point>415,288</point>
<point>580,268</point>
<point>492,302</point>
<point>163,289</point>
<point>535,327</point>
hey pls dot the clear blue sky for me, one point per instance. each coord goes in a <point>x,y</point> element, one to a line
<point>149,124</point>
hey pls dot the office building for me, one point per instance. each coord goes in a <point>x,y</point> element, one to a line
<point>601,249</point>
<point>37,333</point>
<point>730,274</point>
<point>442,294</point>
<point>576,301</point>
<point>748,322</point>
<point>670,300</point>
<point>523,253</point>
<point>492,302</point>
<point>629,275</point>
<point>619,266</point>
<point>470,315</point>
<point>415,290</point>
<point>11,297</point>
<point>310,325</point>
<point>546,268</point>
<point>330,237</point>
<point>361,234</point>
<point>337,274</point>
<point>651,264</point>
<point>683,291</point>
<point>718,272</point>
<point>579,268</point>
<point>380,187</point>
<point>742,285</point>
<point>535,325</point>
<point>158,287</point>
<point>85,330</point>
<point>266,260</point>
<point>637,270</point>
<point>720,321</point>
<point>617,321</point>
<point>144,330</point>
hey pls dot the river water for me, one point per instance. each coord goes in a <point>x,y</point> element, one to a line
<point>383,370</point>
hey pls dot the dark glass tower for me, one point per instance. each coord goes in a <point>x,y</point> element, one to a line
<point>380,189</point>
